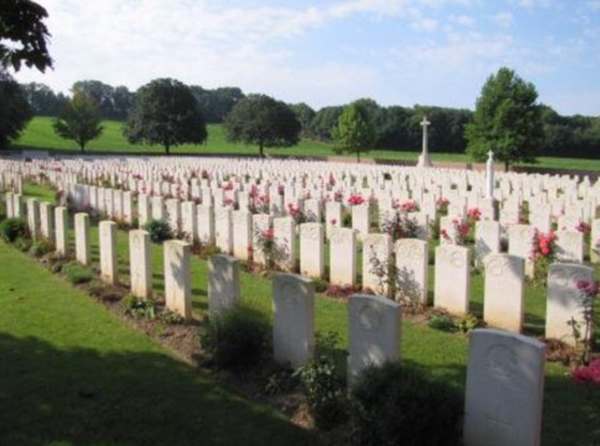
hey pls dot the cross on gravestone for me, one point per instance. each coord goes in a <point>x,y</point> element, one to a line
<point>424,160</point>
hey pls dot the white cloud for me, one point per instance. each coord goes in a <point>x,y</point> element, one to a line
<point>463,20</point>
<point>503,19</point>
<point>443,58</point>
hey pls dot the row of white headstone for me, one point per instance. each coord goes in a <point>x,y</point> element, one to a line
<point>505,375</point>
<point>504,272</point>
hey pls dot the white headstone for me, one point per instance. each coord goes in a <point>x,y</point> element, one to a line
<point>505,390</point>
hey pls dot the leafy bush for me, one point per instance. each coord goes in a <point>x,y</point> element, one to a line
<point>159,230</point>
<point>12,229</point>
<point>468,323</point>
<point>398,404</point>
<point>239,338</point>
<point>22,244</point>
<point>2,209</point>
<point>139,308</point>
<point>280,381</point>
<point>442,322</point>
<point>320,285</point>
<point>171,317</point>
<point>77,273</point>
<point>324,384</point>
<point>41,247</point>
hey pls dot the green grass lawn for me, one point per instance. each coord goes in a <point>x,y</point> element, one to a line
<point>72,374</point>
<point>571,414</point>
<point>40,135</point>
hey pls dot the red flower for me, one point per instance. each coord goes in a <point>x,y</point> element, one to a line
<point>588,374</point>
<point>355,200</point>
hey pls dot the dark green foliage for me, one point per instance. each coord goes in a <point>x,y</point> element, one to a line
<point>14,109</point>
<point>2,209</point>
<point>238,339</point>
<point>23,244</point>
<point>139,308</point>
<point>79,120</point>
<point>355,132</point>
<point>305,115</point>
<point>399,405</point>
<point>41,247</point>
<point>23,35</point>
<point>442,322</point>
<point>261,120</point>
<point>112,102</point>
<point>507,120</point>
<point>159,230</point>
<point>77,273</point>
<point>324,383</point>
<point>42,100</point>
<point>13,228</point>
<point>216,104</point>
<point>165,113</point>
<point>324,121</point>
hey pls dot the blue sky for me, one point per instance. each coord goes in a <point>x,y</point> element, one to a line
<point>404,52</point>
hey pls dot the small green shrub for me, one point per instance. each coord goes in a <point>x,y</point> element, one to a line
<point>442,322</point>
<point>398,404</point>
<point>2,209</point>
<point>280,381</point>
<point>139,308</point>
<point>324,384</point>
<point>12,229</point>
<point>41,247</point>
<point>320,285</point>
<point>77,273</point>
<point>238,339</point>
<point>171,317</point>
<point>468,323</point>
<point>159,230</point>
<point>22,244</point>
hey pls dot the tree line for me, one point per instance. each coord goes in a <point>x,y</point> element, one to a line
<point>396,127</point>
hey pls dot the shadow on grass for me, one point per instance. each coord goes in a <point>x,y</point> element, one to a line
<point>83,397</point>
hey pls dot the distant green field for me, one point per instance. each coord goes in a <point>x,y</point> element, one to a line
<point>40,135</point>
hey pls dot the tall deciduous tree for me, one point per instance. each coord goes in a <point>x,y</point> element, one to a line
<point>80,120</point>
<point>507,120</point>
<point>261,120</point>
<point>355,131</point>
<point>23,35</point>
<point>15,111</point>
<point>166,113</point>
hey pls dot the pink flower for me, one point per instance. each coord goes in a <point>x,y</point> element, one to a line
<point>355,199</point>
<point>588,374</point>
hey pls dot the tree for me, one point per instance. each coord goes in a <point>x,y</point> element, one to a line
<point>43,101</point>
<point>261,120</point>
<point>80,120</point>
<point>23,35</point>
<point>166,113</point>
<point>507,120</point>
<point>324,122</point>
<point>355,131</point>
<point>15,112</point>
<point>305,114</point>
